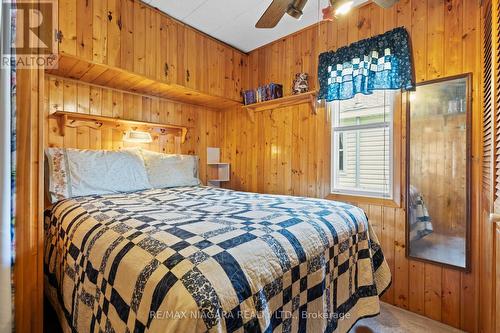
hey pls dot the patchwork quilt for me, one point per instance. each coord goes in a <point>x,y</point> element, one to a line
<point>420,221</point>
<point>199,259</point>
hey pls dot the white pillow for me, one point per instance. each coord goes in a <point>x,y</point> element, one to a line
<point>74,173</point>
<point>166,170</point>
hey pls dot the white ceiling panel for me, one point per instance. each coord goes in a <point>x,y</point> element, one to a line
<point>179,9</point>
<point>216,15</point>
<point>233,21</point>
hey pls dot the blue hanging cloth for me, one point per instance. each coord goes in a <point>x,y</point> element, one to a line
<point>377,63</point>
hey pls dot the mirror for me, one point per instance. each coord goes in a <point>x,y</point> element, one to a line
<point>438,169</point>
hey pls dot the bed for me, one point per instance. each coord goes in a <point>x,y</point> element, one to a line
<point>198,259</point>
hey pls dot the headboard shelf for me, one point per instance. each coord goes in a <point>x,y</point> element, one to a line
<point>75,119</point>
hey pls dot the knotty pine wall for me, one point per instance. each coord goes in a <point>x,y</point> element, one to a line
<point>129,35</point>
<point>73,96</point>
<point>287,150</point>
<point>133,36</point>
<point>29,234</point>
<point>438,151</point>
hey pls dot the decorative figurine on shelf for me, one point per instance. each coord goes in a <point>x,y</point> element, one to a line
<point>300,84</point>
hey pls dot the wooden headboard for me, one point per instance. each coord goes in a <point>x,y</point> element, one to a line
<point>86,116</point>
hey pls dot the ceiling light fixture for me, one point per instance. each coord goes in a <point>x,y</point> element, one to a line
<point>337,8</point>
<point>343,8</point>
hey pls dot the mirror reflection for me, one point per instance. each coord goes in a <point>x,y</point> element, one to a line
<point>437,197</point>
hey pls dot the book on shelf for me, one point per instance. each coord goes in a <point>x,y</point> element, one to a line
<point>263,93</point>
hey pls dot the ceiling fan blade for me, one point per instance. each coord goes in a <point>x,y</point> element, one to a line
<point>385,3</point>
<point>273,14</point>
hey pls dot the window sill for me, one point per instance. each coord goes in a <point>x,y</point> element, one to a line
<point>364,200</point>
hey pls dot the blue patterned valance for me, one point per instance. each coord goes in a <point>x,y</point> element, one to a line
<point>380,62</point>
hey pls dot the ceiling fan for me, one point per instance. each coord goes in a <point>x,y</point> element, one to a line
<point>278,8</point>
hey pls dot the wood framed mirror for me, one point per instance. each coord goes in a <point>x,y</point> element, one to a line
<point>438,171</point>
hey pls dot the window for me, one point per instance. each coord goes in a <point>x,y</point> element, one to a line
<point>362,145</point>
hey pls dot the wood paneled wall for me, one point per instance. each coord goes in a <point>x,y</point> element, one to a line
<point>287,150</point>
<point>73,96</point>
<point>438,145</point>
<point>131,35</point>
<point>124,34</point>
<point>29,234</point>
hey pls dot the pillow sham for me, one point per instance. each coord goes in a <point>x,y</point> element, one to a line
<point>167,170</point>
<point>74,172</point>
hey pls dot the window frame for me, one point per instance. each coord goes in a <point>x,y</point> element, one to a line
<point>397,142</point>
<point>341,150</point>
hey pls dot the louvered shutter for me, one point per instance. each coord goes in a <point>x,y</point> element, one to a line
<point>496,97</point>
<point>488,103</point>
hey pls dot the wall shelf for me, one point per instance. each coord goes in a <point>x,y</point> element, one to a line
<point>72,67</point>
<point>218,171</point>
<point>75,119</point>
<point>308,97</point>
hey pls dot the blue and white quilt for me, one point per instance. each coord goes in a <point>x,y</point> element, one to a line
<point>200,259</point>
<point>420,222</point>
